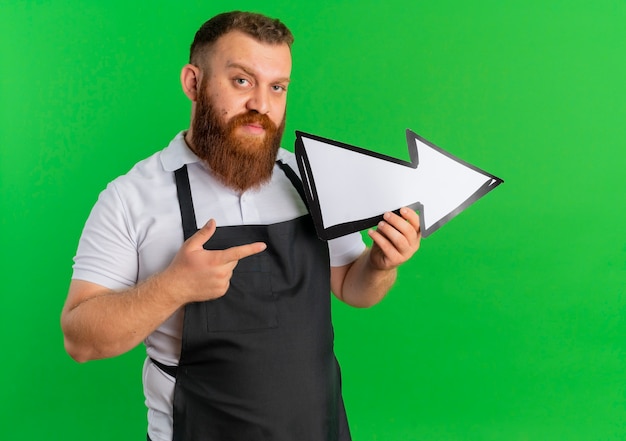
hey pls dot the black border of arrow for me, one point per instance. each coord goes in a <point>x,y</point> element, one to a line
<point>342,229</point>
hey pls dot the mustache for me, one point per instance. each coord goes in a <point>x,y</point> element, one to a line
<point>252,117</point>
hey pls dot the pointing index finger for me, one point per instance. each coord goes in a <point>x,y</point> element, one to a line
<point>237,253</point>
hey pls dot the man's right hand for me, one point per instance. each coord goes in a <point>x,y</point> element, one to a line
<point>98,322</point>
<point>200,274</point>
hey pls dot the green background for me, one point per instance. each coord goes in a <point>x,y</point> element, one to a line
<point>507,325</point>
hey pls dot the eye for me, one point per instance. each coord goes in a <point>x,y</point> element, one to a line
<point>279,88</point>
<point>242,82</point>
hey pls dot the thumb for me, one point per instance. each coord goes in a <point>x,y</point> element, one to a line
<point>202,235</point>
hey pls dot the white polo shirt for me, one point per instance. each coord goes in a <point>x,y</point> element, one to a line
<point>134,230</point>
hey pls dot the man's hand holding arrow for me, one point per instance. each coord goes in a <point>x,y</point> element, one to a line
<point>347,188</point>
<point>366,281</point>
<point>396,239</point>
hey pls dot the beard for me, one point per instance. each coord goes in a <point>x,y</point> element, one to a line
<point>238,161</point>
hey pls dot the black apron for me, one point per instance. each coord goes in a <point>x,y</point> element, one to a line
<point>258,363</point>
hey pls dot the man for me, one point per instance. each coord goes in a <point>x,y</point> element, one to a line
<point>236,315</point>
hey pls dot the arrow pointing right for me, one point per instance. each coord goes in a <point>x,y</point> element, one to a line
<point>349,188</point>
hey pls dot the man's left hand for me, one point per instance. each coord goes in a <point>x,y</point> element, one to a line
<point>396,239</point>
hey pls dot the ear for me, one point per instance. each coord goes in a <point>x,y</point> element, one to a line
<point>190,80</point>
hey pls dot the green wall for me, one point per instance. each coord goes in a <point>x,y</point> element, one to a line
<point>508,324</point>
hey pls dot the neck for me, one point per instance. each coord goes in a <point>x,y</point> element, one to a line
<point>188,139</point>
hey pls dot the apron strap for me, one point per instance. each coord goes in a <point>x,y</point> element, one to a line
<point>185,202</point>
<point>169,370</point>
<point>295,180</point>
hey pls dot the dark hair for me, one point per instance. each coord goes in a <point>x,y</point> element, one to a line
<point>258,26</point>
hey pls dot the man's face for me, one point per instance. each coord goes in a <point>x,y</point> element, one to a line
<point>244,74</point>
<point>240,109</point>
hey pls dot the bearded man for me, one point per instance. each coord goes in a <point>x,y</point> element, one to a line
<point>235,315</point>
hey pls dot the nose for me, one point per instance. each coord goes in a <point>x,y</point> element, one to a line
<point>259,101</point>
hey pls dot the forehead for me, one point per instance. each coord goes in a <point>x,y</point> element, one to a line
<point>239,49</point>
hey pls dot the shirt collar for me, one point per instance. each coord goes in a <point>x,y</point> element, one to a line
<point>177,154</point>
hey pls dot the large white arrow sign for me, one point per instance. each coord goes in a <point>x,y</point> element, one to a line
<point>349,188</point>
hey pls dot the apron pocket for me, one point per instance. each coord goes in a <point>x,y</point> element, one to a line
<point>249,304</point>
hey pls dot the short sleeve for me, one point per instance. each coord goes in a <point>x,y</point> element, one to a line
<point>345,249</point>
<point>107,251</point>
